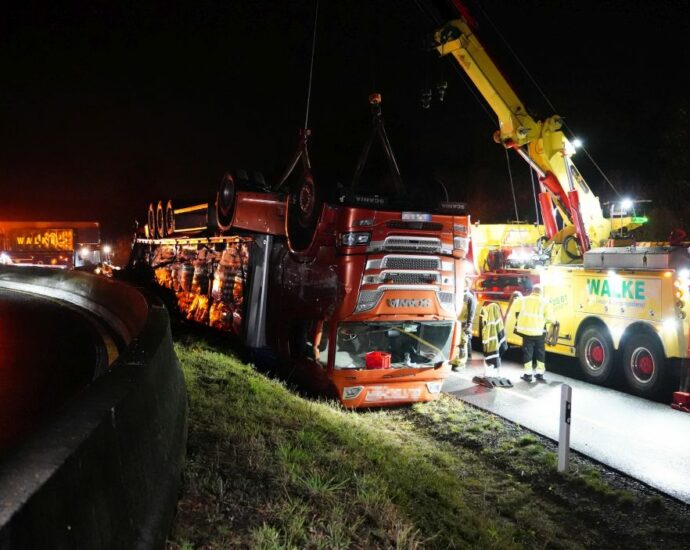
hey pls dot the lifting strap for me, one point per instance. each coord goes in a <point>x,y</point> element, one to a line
<point>378,129</point>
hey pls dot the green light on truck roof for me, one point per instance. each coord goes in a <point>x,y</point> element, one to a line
<point>640,219</point>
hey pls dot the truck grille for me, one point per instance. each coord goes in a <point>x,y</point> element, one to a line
<point>409,278</point>
<point>429,245</point>
<point>410,262</point>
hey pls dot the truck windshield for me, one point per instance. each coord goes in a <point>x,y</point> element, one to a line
<point>411,344</point>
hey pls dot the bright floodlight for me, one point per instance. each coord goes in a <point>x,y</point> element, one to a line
<point>626,204</point>
<point>84,252</point>
<point>107,249</point>
<point>577,143</point>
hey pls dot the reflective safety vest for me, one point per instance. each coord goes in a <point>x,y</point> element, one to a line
<point>533,312</point>
<point>493,334</point>
<point>469,306</point>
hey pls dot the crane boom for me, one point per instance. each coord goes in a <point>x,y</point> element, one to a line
<point>541,143</point>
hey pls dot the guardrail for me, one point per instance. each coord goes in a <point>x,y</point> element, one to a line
<point>104,473</point>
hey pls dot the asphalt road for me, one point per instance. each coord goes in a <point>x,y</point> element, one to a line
<point>48,352</point>
<point>643,439</point>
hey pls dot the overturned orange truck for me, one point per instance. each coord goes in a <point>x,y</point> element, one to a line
<point>356,296</point>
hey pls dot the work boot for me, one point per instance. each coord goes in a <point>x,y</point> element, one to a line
<point>540,378</point>
<point>455,368</point>
<point>527,377</point>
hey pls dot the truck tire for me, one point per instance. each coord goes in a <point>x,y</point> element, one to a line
<point>596,355</point>
<point>160,220</point>
<point>225,202</point>
<point>643,364</point>
<point>169,218</point>
<point>303,212</point>
<point>151,221</point>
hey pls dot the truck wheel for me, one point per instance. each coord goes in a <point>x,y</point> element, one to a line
<point>151,221</point>
<point>160,220</point>
<point>596,355</point>
<point>303,211</point>
<point>225,202</point>
<point>643,364</point>
<point>169,218</point>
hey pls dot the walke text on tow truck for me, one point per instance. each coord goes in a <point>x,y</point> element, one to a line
<point>358,297</point>
<point>620,305</point>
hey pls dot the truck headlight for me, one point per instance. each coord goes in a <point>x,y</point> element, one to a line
<point>367,299</point>
<point>434,387</point>
<point>351,392</point>
<point>355,238</point>
<point>461,243</point>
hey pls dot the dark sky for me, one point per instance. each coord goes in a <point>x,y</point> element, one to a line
<point>105,106</point>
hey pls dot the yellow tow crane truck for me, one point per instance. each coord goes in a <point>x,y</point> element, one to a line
<point>621,306</point>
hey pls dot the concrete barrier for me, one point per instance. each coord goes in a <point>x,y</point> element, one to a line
<point>104,473</point>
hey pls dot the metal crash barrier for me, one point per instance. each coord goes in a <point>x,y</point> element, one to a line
<point>104,472</point>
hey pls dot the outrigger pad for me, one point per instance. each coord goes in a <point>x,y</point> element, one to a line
<point>492,382</point>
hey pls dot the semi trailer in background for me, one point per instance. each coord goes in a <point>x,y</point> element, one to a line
<point>58,244</point>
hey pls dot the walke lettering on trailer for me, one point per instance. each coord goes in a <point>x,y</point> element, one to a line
<point>405,302</point>
<point>625,288</point>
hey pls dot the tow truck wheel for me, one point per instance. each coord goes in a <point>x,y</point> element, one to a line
<point>303,211</point>
<point>596,355</point>
<point>643,364</point>
<point>160,220</point>
<point>225,201</point>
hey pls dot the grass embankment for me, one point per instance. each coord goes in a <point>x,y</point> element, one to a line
<point>269,469</point>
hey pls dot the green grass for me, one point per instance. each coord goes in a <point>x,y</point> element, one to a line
<point>268,469</point>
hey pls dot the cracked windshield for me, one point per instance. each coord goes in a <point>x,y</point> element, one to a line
<point>410,344</point>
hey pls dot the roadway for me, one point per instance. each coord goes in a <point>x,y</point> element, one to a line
<point>647,441</point>
<point>48,353</point>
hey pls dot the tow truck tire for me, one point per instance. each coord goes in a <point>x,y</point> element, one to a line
<point>225,201</point>
<point>169,218</point>
<point>160,220</point>
<point>151,221</point>
<point>304,208</point>
<point>596,355</point>
<point>643,364</point>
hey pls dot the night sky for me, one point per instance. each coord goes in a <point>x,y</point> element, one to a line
<point>105,106</point>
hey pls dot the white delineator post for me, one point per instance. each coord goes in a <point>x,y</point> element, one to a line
<point>564,431</point>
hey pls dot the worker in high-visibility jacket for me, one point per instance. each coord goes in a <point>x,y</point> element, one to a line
<point>466,318</point>
<point>533,313</point>
<point>493,337</point>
